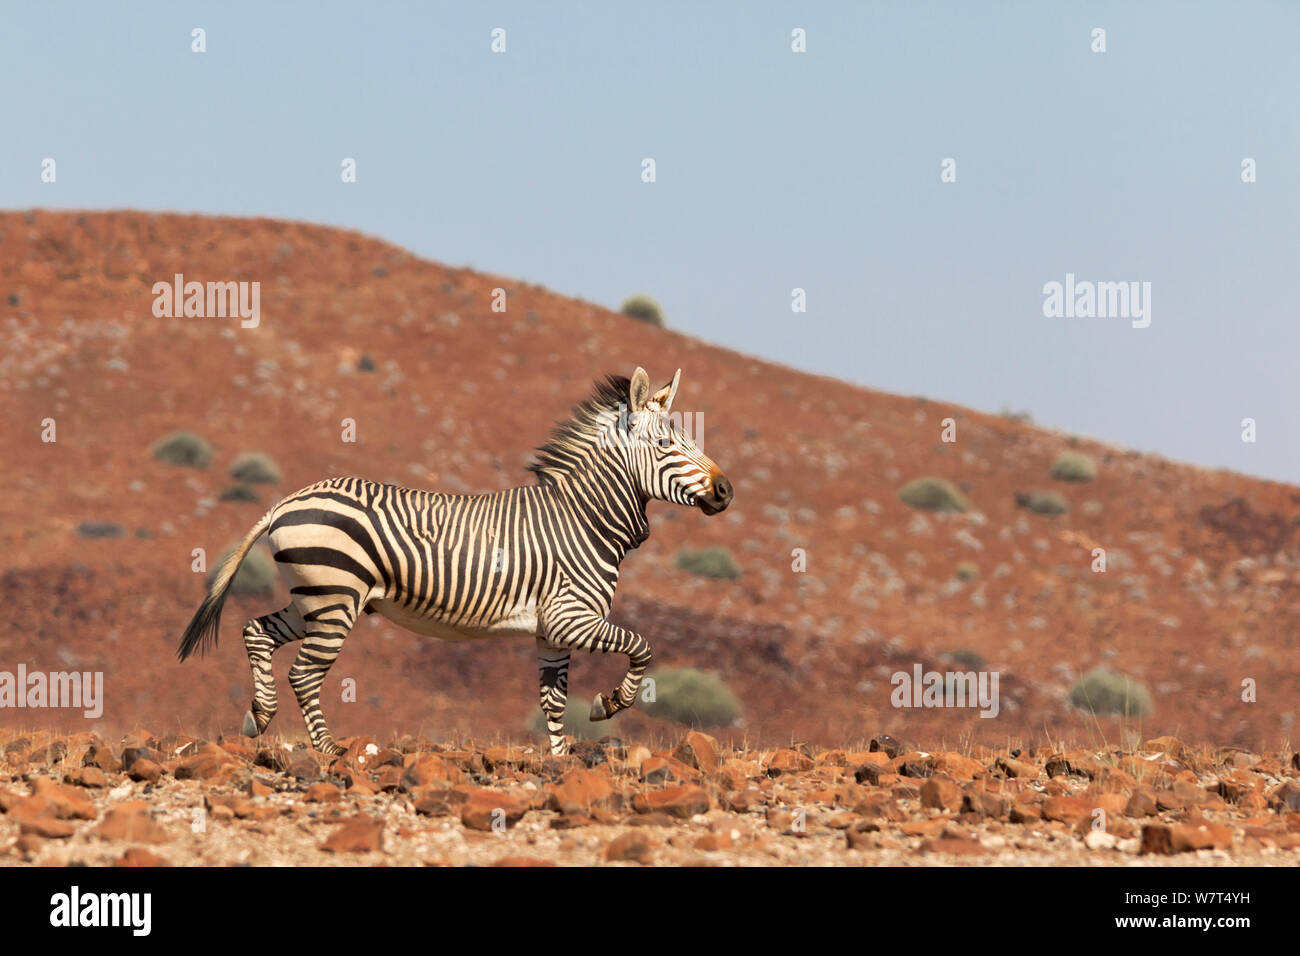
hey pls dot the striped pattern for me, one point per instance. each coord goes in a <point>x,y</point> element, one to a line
<point>538,561</point>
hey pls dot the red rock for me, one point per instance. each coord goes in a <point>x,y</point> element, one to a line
<point>432,801</point>
<point>631,848</point>
<point>256,788</point>
<point>940,793</point>
<point>1285,798</point>
<point>579,790</point>
<point>1200,835</point>
<point>63,802</point>
<point>663,769</point>
<point>522,861</point>
<point>35,821</point>
<point>699,751</point>
<point>744,801</point>
<point>1141,803</point>
<point>1019,769</point>
<point>138,856</point>
<point>322,793</point>
<point>90,777</point>
<point>423,769</point>
<point>145,770</point>
<point>711,842</point>
<point>1165,745</point>
<point>682,802</point>
<point>956,765</point>
<point>953,846</point>
<point>131,821</point>
<point>360,783</point>
<point>1066,809</point>
<point>488,810</point>
<point>985,804</point>
<point>361,834</point>
<point>787,761</point>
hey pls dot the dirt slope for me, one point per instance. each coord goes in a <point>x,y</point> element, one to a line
<point>1200,591</point>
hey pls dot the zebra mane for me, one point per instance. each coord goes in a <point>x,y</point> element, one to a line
<point>580,430</point>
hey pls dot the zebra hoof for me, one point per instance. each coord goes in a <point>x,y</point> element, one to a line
<point>250,725</point>
<point>598,711</point>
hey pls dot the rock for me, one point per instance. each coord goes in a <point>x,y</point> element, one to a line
<point>1164,745</point>
<point>257,788</point>
<point>100,754</point>
<point>489,810</point>
<point>954,846</point>
<point>1019,769</point>
<point>682,802</point>
<point>636,756</point>
<point>1203,835</point>
<point>579,790</point>
<point>1286,797</point>
<point>955,765</point>
<point>522,861</point>
<point>1067,809</point>
<point>883,742</point>
<point>630,848</point>
<point>60,801</point>
<point>423,769</point>
<point>699,751</point>
<point>1141,803</point>
<point>139,856</point>
<point>743,801</point>
<point>302,765</point>
<point>711,842</point>
<point>787,761</point>
<point>322,793</point>
<point>361,834</point>
<point>145,770</point>
<point>940,793</point>
<point>870,773</point>
<point>90,777</point>
<point>656,770</point>
<point>35,820</point>
<point>985,804</point>
<point>131,821</point>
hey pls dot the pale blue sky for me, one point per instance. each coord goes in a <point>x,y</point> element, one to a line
<point>775,170</point>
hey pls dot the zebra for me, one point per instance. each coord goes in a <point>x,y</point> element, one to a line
<point>541,560</point>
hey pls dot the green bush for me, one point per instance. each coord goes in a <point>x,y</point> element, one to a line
<point>184,449</point>
<point>254,468</point>
<point>256,576</point>
<point>1043,502</point>
<point>933,494</point>
<point>1074,466</point>
<point>643,309</point>
<point>1103,692</point>
<point>967,570</point>
<point>688,696</point>
<point>965,657</point>
<point>709,562</point>
<point>577,722</point>
<point>239,493</point>
<point>100,529</point>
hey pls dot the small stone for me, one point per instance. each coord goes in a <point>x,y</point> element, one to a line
<point>361,834</point>
<point>630,848</point>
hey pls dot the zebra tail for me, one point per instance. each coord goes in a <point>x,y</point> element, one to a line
<point>201,635</point>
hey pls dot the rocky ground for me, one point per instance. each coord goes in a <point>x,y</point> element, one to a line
<point>175,800</point>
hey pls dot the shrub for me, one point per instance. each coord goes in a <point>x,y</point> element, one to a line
<point>184,449</point>
<point>688,696</point>
<point>643,309</point>
<point>100,529</point>
<point>255,468</point>
<point>967,570</point>
<point>1043,502</point>
<point>255,576</point>
<point>239,493</point>
<point>1103,692</point>
<point>709,562</point>
<point>933,494</point>
<point>965,657</point>
<point>576,722</point>
<point>1074,466</point>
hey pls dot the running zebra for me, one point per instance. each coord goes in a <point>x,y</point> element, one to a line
<point>539,561</point>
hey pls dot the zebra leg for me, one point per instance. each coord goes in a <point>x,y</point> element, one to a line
<point>318,652</point>
<point>554,665</point>
<point>586,631</point>
<point>261,639</point>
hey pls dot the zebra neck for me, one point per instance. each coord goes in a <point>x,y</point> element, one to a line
<point>612,504</point>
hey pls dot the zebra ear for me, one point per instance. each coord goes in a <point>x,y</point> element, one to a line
<point>638,391</point>
<point>665,395</point>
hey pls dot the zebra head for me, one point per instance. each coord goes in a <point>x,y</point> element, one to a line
<point>666,463</point>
